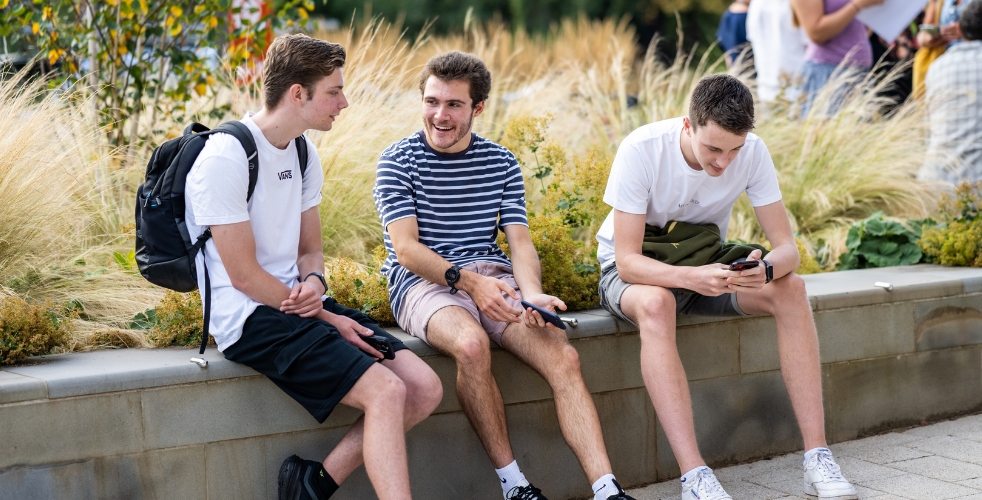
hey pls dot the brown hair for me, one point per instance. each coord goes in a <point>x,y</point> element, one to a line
<point>724,100</point>
<point>301,59</point>
<point>456,65</point>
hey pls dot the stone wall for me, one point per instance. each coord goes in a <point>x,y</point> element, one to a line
<point>132,424</point>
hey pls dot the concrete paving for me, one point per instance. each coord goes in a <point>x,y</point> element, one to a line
<point>931,462</point>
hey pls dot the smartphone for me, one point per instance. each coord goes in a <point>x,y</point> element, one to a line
<point>741,264</point>
<point>382,345</point>
<point>929,29</point>
<point>550,317</point>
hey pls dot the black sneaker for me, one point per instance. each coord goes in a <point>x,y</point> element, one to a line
<point>526,492</point>
<point>620,493</point>
<point>301,479</point>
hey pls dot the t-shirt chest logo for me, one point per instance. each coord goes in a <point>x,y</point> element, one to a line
<point>286,174</point>
<point>690,202</point>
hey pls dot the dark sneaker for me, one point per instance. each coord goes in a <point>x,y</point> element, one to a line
<point>301,479</point>
<point>620,493</point>
<point>525,492</point>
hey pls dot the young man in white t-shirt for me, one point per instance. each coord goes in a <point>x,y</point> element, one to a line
<point>692,169</point>
<point>266,265</point>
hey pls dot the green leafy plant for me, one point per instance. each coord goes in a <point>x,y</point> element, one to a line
<point>361,287</point>
<point>957,240</point>
<point>176,320</point>
<point>136,56</point>
<point>878,242</point>
<point>30,329</point>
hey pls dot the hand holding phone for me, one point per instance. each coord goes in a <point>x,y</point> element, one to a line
<point>550,317</point>
<point>743,264</point>
<point>382,345</point>
<point>930,29</point>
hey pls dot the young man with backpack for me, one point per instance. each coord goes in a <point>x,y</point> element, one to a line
<point>265,265</point>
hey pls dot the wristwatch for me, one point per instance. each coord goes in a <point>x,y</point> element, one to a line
<point>768,271</point>
<point>320,277</point>
<point>452,276</point>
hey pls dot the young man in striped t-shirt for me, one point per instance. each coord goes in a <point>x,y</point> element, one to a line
<point>442,194</point>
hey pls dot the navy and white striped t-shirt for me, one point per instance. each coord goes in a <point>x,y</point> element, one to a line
<point>459,201</point>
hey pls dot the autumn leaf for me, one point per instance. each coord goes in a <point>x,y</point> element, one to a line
<point>175,29</point>
<point>176,11</point>
<point>35,28</point>
<point>54,55</point>
<point>201,88</point>
<point>3,4</point>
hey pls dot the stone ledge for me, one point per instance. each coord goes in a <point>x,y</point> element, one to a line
<point>79,374</point>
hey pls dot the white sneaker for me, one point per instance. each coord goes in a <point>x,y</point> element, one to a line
<point>703,486</point>
<point>823,479</point>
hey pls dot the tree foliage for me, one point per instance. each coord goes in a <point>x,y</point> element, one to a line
<point>137,56</point>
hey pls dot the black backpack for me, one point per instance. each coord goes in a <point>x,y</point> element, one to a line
<point>164,251</point>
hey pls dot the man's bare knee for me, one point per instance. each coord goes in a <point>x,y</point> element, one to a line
<point>653,307</point>
<point>472,350</point>
<point>785,293</point>
<point>428,391</point>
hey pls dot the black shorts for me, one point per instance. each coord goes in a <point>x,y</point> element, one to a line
<point>306,358</point>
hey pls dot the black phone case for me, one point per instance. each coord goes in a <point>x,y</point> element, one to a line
<point>546,315</point>
<point>382,345</point>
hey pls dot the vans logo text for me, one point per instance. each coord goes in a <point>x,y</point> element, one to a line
<point>286,174</point>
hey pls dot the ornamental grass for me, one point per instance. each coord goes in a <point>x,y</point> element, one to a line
<point>66,197</point>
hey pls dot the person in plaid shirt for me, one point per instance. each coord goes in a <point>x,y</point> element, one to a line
<point>954,89</point>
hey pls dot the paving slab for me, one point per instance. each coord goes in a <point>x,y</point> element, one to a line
<point>955,473</point>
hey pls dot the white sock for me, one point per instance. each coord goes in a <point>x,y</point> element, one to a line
<point>689,476</point>
<point>511,476</point>
<point>604,488</point>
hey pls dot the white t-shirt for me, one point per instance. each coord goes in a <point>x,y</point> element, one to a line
<point>216,191</point>
<point>779,48</point>
<point>650,176</point>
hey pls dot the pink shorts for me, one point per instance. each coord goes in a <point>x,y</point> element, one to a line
<point>425,298</point>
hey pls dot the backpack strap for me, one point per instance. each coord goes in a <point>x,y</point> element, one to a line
<point>241,132</point>
<point>302,153</point>
<point>206,290</point>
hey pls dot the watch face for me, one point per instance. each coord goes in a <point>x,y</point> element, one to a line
<point>452,275</point>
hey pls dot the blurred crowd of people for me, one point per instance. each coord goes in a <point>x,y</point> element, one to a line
<point>797,48</point>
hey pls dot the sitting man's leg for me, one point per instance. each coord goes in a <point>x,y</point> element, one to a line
<point>310,361</point>
<point>797,342</point>
<point>423,394</point>
<point>548,352</point>
<point>454,332</point>
<point>653,309</point>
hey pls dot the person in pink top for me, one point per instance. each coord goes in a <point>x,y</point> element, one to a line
<point>838,42</point>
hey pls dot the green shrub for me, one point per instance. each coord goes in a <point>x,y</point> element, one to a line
<point>568,271</point>
<point>30,329</point>
<point>957,240</point>
<point>877,242</point>
<point>361,287</point>
<point>808,263</point>
<point>176,320</point>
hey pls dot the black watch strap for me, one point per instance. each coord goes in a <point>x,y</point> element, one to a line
<point>768,271</point>
<point>452,276</point>
<point>320,277</point>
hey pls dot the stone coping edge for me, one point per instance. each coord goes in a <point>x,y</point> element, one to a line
<point>95,372</point>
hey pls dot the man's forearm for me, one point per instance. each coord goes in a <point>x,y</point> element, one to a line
<point>264,288</point>
<point>423,262</point>
<point>785,259</point>
<point>527,270</point>
<point>641,270</point>
<point>312,262</point>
